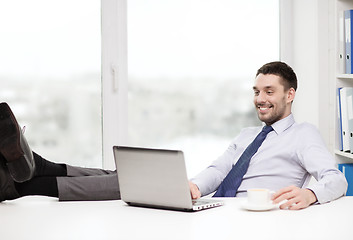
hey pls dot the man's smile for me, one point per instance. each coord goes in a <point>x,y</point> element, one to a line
<point>264,108</point>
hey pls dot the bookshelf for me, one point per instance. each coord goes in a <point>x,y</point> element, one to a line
<point>341,79</point>
<point>348,77</point>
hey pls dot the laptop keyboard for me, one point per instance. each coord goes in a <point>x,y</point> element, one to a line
<point>198,202</point>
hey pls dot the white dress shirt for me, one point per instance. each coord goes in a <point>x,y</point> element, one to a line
<point>289,155</point>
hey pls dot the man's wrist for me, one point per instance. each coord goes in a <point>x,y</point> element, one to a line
<point>313,198</point>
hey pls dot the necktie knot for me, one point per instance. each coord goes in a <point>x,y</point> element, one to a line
<point>266,129</point>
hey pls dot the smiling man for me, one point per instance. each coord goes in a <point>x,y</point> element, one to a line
<point>286,155</point>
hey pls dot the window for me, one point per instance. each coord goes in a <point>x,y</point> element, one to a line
<point>191,66</point>
<point>50,76</point>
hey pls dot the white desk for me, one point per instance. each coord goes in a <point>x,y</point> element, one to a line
<point>46,218</point>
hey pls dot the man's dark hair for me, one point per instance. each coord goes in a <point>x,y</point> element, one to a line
<point>282,70</point>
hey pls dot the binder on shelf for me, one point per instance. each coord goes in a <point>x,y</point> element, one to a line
<point>347,170</point>
<point>348,15</point>
<point>339,120</point>
<point>341,44</point>
<point>344,120</point>
<point>349,99</point>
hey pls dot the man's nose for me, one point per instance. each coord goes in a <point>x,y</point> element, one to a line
<point>261,97</point>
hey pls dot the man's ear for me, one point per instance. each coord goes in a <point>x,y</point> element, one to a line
<point>291,95</point>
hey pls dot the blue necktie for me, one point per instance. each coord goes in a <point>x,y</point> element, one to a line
<point>231,182</point>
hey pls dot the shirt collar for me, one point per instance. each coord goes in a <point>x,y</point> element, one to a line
<point>283,124</point>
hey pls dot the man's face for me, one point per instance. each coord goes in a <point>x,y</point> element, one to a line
<point>271,101</point>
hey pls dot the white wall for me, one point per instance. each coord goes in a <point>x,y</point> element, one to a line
<point>305,46</point>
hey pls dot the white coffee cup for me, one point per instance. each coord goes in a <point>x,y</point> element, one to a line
<point>259,196</point>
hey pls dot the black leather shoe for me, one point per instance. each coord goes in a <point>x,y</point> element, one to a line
<point>14,147</point>
<point>7,186</point>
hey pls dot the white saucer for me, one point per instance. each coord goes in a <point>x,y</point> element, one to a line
<point>252,207</point>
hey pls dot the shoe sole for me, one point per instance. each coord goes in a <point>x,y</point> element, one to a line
<point>10,145</point>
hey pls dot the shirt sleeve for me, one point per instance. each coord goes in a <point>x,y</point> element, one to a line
<point>317,160</point>
<point>209,179</point>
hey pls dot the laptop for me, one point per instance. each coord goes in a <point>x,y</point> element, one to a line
<point>156,178</point>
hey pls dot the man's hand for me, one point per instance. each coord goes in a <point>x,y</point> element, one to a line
<point>194,190</point>
<point>297,198</point>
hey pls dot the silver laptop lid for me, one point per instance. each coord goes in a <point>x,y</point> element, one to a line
<point>152,177</point>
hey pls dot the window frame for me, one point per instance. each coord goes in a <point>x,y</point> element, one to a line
<point>114,77</point>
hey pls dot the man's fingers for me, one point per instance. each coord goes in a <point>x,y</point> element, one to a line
<point>281,192</point>
<point>284,194</point>
<point>294,204</point>
<point>297,198</point>
<point>289,203</point>
<point>194,190</point>
<point>194,194</point>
